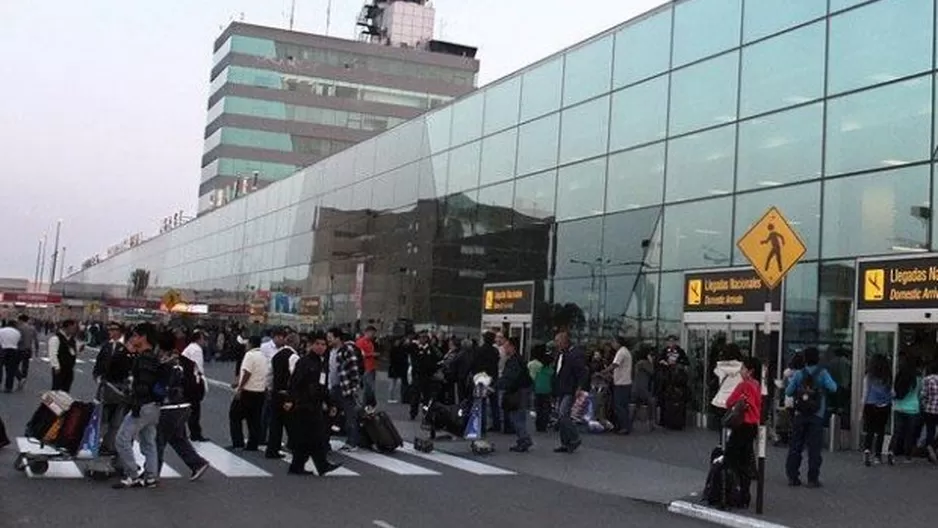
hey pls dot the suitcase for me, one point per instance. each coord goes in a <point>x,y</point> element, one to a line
<point>41,422</point>
<point>74,422</point>
<point>378,430</point>
<point>57,401</point>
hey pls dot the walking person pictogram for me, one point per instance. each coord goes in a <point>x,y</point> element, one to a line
<point>777,241</point>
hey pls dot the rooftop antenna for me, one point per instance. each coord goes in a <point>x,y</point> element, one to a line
<point>328,16</point>
<point>292,13</point>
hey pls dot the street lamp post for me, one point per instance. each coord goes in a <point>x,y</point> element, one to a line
<point>55,252</point>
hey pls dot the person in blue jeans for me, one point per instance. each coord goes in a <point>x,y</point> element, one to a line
<point>809,387</point>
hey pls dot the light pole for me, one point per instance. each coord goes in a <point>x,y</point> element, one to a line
<point>42,267</point>
<point>38,265</point>
<point>55,252</point>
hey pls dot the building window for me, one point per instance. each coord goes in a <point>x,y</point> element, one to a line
<point>780,148</point>
<point>762,19</point>
<point>636,178</point>
<point>783,71</point>
<point>537,144</point>
<point>541,89</point>
<point>643,49</point>
<point>698,234</point>
<point>880,42</point>
<point>467,119</point>
<point>502,104</point>
<point>883,127</point>
<point>579,248</point>
<point>878,213</point>
<point>498,157</point>
<point>705,27</point>
<point>639,114</point>
<point>534,198</point>
<point>584,131</point>
<point>704,94</point>
<point>701,164</point>
<point>587,71</point>
<point>580,189</point>
<point>463,168</point>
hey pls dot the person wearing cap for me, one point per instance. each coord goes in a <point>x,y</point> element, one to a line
<point>194,352</point>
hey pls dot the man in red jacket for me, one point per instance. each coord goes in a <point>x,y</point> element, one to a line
<point>366,344</point>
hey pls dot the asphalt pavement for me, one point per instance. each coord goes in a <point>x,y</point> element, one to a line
<point>402,490</point>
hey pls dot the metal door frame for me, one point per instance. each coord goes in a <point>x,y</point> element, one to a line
<point>859,371</point>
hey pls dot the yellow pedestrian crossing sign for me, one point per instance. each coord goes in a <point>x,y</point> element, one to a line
<point>874,285</point>
<point>694,292</point>
<point>772,247</point>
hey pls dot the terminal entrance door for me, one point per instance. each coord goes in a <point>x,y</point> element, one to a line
<point>896,315</point>
<point>722,307</point>
<point>509,308</point>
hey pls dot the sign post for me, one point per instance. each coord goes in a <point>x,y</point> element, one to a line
<point>773,248</point>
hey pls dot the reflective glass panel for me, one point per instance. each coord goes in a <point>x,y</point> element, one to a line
<point>636,178</point>
<point>584,130</point>
<point>579,247</point>
<point>626,237</point>
<point>880,42</point>
<point>697,234</point>
<point>705,27</point>
<point>761,18</point>
<point>574,299</point>
<point>780,148</point>
<point>670,304</point>
<point>467,119</point>
<point>799,203</point>
<point>642,49</point>
<point>877,213</point>
<point>587,71</point>
<point>837,5</point>
<point>701,164</point>
<point>639,114</point>
<point>883,127</point>
<point>463,168</point>
<point>534,198</point>
<point>538,142</point>
<point>704,94</point>
<point>783,71</point>
<point>495,208</point>
<point>502,104</point>
<point>837,287</point>
<point>801,296</point>
<point>498,157</point>
<point>438,125</point>
<point>541,89</point>
<point>581,189</point>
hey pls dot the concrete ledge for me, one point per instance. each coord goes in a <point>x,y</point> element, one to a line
<point>719,517</point>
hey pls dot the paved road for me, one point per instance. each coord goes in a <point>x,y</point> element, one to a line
<point>403,491</point>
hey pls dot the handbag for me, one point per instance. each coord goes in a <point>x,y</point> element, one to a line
<point>734,417</point>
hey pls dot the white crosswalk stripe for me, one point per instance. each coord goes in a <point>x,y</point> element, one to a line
<point>231,465</point>
<point>77,361</point>
<point>226,462</point>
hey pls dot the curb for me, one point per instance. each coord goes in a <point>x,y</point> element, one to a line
<point>719,517</point>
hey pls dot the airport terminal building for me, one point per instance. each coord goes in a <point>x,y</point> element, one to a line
<point>596,183</point>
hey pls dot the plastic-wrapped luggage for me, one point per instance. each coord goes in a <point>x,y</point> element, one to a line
<point>74,422</point>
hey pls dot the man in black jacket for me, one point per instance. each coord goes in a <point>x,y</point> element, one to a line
<point>425,362</point>
<point>112,372</point>
<point>570,382</point>
<point>144,416</point>
<point>63,352</point>
<point>282,365</point>
<point>307,424</point>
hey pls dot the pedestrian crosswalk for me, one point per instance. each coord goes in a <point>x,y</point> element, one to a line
<point>78,361</point>
<point>406,461</point>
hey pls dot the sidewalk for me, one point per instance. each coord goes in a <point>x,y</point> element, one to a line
<point>667,466</point>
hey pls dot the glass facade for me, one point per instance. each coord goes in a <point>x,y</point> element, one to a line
<point>603,174</point>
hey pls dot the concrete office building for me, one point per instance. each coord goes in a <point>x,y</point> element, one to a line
<point>282,100</point>
<point>611,172</point>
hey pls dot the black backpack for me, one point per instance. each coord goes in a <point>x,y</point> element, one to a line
<point>808,394</point>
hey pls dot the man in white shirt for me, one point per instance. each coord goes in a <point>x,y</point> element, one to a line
<point>270,345</point>
<point>250,391</point>
<point>622,386</point>
<point>10,353</point>
<point>194,352</point>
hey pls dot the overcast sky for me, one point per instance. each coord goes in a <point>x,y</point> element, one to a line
<point>102,108</point>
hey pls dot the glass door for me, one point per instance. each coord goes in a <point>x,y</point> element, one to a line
<point>697,348</point>
<point>744,337</point>
<point>875,339</point>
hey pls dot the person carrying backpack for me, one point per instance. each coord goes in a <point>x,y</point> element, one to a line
<point>809,388</point>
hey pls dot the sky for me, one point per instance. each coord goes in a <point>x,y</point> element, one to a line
<point>102,111</point>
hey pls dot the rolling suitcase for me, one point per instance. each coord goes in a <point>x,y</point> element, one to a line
<point>40,423</point>
<point>74,422</point>
<point>378,430</point>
